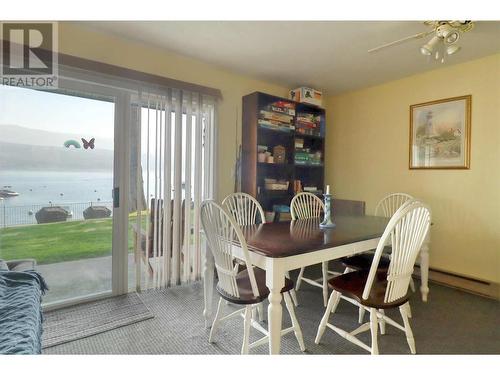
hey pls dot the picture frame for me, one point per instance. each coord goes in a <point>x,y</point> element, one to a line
<point>440,134</point>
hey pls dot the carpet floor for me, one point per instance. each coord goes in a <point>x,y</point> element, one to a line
<point>452,322</point>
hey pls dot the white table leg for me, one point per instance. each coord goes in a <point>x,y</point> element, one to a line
<point>424,268</point>
<point>275,280</point>
<point>208,286</point>
<point>324,281</point>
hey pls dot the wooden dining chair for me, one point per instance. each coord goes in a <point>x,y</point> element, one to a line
<point>348,207</point>
<point>383,289</point>
<point>247,287</point>
<point>306,206</point>
<point>386,207</point>
<point>247,210</point>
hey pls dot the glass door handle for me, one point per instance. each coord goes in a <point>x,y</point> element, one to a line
<point>116,197</point>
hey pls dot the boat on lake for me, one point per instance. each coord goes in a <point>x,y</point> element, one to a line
<point>4,193</point>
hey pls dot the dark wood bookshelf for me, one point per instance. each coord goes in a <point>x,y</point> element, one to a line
<point>254,172</point>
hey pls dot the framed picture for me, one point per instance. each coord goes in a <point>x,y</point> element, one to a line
<point>440,134</point>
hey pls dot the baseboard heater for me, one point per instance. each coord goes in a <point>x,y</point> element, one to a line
<point>465,283</point>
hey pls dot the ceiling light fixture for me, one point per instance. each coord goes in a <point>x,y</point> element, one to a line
<point>445,35</point>
<point>429,47</point>
<point>442,43</point>
<point>449,34</point>
<point>450,50</point>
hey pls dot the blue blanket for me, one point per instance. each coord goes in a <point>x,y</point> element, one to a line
<point>21,312</point>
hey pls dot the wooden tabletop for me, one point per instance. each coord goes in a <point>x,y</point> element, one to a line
<point>288,238</point>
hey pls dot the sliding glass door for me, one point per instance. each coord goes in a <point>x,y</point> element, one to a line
<point>57,173</point>
<point>101,183</point>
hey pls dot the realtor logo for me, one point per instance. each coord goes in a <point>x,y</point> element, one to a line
<point>29,54</point>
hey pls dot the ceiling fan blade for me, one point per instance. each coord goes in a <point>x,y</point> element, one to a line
<point>416,36</point>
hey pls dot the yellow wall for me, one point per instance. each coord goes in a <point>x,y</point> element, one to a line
<point>82,42</point>
<point>367,158</point>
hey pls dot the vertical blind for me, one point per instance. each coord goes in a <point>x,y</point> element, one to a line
<point>173,169</point>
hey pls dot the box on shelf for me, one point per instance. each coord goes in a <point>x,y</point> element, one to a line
<point>283,107</point>
<point>277,186</point>
<point>310,189</point>
<point>279,153</point>
<point>274,184</point>
<point>281,208</point>
<point>307,95</point>
<point>269,216</point>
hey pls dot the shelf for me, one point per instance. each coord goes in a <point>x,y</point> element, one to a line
<point>274,192</point>
<point>309,136</point>
<point>289,133</point>
<point>310,165</point>
<point>281,165</point>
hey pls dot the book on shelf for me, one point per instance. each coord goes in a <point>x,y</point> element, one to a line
<point>281,208</point>
<point>306,131</point>
<point>308,124</point>
<point>282,106</point>
<point>269,115</point>
<point>304,124</point>
<point>285,110</point>
<point>285,104</point>
<point>275,125</point>
<point>309,117</point>
<point>301,162</point>
<point>305,157</point>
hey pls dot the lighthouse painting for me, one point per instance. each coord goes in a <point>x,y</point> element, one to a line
<point>440,134</point>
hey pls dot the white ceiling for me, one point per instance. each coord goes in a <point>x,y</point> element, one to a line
<point>329,55</point>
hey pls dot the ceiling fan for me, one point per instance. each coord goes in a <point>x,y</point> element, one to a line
<point>443,42</point>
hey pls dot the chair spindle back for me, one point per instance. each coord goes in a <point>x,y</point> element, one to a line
<point>244,208</point>
<point>406,232</point>
<point>305,206</point>
<point>222,233</point>
<point>388,205</point>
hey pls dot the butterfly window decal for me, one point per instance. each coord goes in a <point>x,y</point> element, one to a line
<point>88,144</point>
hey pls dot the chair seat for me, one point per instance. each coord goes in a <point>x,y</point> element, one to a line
<point>245,289</point>
<point>364,262</point>
<point>352,285</point>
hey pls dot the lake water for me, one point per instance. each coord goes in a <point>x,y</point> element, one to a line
<point>57,187</point>
<point>75,191</point>
<point>43,188</point>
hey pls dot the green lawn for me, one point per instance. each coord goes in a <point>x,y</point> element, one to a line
<point>58,242</point>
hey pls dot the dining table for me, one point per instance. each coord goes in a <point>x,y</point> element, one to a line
<point>279,247</point>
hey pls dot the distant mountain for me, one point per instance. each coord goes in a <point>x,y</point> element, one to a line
<point>14,156</point>
<point>27,136</point>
